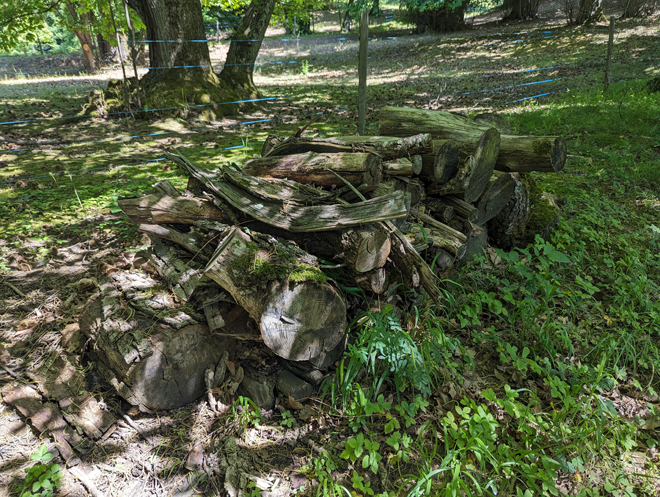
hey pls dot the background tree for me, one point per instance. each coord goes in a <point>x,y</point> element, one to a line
<point>590,11</point>
<point>436,15</point>
<point>521,9</point>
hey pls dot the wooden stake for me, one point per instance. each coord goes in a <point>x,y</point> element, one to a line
<point>133,52</point>
<point>362,72</point>
<point>610,45</point>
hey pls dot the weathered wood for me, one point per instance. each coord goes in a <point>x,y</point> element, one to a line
<point>181,278</point>
<point>417,163</point>
<point>507,228</point>
<point>151,364</point>
<point>442,164</point>
<point>440,210</point>
<point>376,281</point>
<point>386,147</point>
<point>485,156</point>
<point>294,217</point>
<point>311,167</point>
<point>365,250</point>
<point>440,239</point>
<point>460,207</point>
<point>496,195</point>
<point>516,154</point>
<point>212,311</point>
<point>189,241</point>
<point>413,187</point>
<point>412,266</point>
<point>166,188</point>
<point>159,209</point>
<point>300,315</point>
<point>398,167</point>
<point>477,238</point>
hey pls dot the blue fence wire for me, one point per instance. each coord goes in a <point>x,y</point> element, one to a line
<point>82,116</point>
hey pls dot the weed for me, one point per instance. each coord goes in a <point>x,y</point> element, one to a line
<point>43,477</point>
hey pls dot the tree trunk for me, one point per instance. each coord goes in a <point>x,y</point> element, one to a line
<point>320,169</point>
<point>239,67</point>
<point>590,11</point>
<point>175,30</point>
<point>516,154</point>
<point>300,316</point>
<point>385,147</point>
<point>521,9</point>
<point>87,49</point>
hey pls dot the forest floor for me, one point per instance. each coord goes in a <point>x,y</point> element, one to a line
<point>549,384</point>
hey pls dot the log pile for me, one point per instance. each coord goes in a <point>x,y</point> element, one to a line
<point>387,212</point>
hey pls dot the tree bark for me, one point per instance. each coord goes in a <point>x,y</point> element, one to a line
<point>320,169</point>
<point>387,148</point>
<point>159,209</point>
<point>516,154</point>
<point>239,67</point>
<point>590,11</point>
<point>175,29</point>
<point>278,211</point>
<point>299,319</point>
<point>497,194</point>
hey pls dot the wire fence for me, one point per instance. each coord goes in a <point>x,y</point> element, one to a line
<point>535,34</point>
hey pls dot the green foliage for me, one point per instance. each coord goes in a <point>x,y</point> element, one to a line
<point>43,477</point>
<point>287,419</point>
<point>245,413</point>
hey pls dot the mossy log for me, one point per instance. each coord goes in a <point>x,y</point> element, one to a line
<point>440,165</point>
<point>400,167</point>
<point>320,169</point>
<point>460,207</point>
<point>360,249</point>
<point>300,316</point>
<point>439,210</point>
<point>507,228</point>
<point>292,215</point>
<point>516,154</point>
<point>387,148</point>
<point>496,195</point>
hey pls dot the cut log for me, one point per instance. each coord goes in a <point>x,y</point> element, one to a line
<point>181,278</point>
<point>439,210</point>
<point>439,234</point>
<point>385,147</point>
<point>473,173</point>
<point>399,167</point>
<point>413,187</point>
<point>151,364</point>
<point>517,153</point>
<point>460,207</point>
<point>496,195</point>
<point>191,241</point>
<point>293,216</point>
<point>442,164</point>
<point>310,167</point>
<point>300,315</point>
<point>365,250</point>
<point>477,238</point>
<point>159,209</point>
<point>376,281</point>
<point>507,229</point>
<point>166,188</point>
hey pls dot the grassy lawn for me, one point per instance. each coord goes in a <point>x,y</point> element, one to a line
<point>537,376</point>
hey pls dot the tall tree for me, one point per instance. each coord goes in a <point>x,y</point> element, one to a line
<point>590,11</point>
<point>239,66</point>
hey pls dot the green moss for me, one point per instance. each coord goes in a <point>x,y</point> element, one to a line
<point>543,212</point>
<point>307,273</point>
<point>259,266</point>
<point>542,147</point>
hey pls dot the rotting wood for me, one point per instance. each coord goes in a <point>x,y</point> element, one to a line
<point>496,195</point>
<point>299,319</point>
<point>295,217</point>
<point>312,167</point>
<point>399,167</point>
<point>387,148</point>
<point>439,209</point>
<point>460,207</point>
<point>440,165</point>
<point>376,281</point>
<point>158,209</point>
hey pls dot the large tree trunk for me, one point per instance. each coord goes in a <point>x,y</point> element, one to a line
<point>243,50</point>
<point>170,20</point>
<point>82,30</point>
<point>521,9</point>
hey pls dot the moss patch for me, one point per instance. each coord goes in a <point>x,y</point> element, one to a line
<point>542,147</point>
<point>544,214</point>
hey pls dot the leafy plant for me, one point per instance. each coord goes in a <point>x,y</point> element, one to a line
<point>43,477</point>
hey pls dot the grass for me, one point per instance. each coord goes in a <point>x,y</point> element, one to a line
<point>539,376</point>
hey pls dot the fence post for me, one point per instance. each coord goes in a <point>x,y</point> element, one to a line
<point>610,45</point>
<point>362,72</point>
